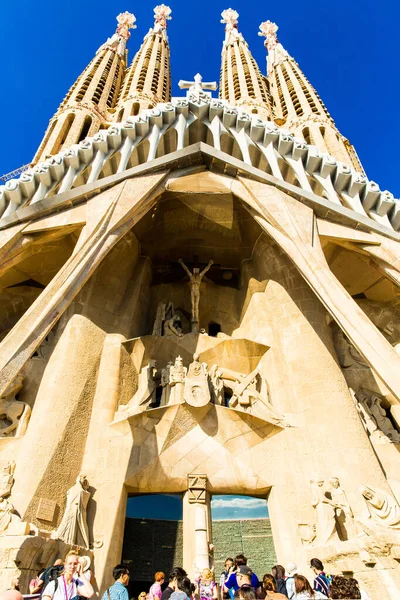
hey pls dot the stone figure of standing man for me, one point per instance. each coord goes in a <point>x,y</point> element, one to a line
<point>194,282</point>
<point>73,528</point>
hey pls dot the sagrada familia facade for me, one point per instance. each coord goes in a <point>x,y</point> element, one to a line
<point>199,296</point>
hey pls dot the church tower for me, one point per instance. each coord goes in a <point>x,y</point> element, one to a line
<point>148,79</point>
<point>297,105</point>
<point>92,97</point>
<point>241,82</point>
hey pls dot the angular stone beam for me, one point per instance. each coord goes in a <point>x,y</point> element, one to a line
<point>286,222</point>
<point>125,204</point>
<point>384,252</point>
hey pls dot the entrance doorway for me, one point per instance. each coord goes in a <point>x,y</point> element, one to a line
<point>152,538</point>
<point>241,524</point>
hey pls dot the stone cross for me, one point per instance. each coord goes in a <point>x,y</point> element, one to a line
<point>197,86</point>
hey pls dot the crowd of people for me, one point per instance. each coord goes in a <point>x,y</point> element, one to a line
<point>71,579</point>
<point>239,582</point>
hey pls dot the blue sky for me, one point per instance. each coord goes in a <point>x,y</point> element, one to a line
<point>348,50</point>
<point>169,506</point>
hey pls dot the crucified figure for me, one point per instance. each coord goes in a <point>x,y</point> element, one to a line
<point>194,282</point>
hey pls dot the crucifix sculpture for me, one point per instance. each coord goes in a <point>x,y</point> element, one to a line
<point>197,86</point>
<point>194,282</point>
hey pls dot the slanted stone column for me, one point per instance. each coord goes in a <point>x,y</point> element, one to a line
<point>196,524</point>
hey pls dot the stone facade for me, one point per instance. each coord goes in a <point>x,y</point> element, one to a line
<point>268,366</point>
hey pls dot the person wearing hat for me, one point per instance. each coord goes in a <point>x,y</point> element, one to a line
<point>244,581</point>
<point>291,570</point>
<point>232,581</point>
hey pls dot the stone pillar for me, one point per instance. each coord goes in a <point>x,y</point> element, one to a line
<point>196,525</point>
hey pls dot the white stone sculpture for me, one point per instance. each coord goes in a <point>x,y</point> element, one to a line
<point>194,282</point>
<point>165,310</point>
<point>197,86</point>
<point>325,509</point>
<point>15,414</point>
<point>73,528</point>
<point>165,384</point>
<point>246,395</point>
<point>177,377</point>
<point>343,511</point>
<point>382,508</point>
<point>197,391</point>
<point>7,515</point>
<point>145,395</point>
<point>7,479</point>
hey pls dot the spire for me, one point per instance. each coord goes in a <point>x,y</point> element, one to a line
<point>297,104</point>
<point>148,79</point>
<point>241,82</point>
<point>90,102</point>
<point>276,52</point>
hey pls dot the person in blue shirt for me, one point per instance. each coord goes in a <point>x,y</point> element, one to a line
<point>231,582</point>
<point>118,590</point>
<point>321,582</point>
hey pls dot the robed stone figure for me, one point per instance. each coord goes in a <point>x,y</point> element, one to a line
<point>73,528</point>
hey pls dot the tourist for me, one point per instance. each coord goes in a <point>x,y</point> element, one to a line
<point>118,590</point>
<point>278,573</point>
<point>321,582</point>
<point>51,574</point>
<point>244,579</point>
<point>229,566</point>
<point>291,570</point>
<point>304,590</point>
<point>142,596</point>
<point>206,588</point>
<point>155,591</point>
<point>246,592</point>
<point>35,584</point>
<point>71,583</point>
<point>241,560</point>
<point>343,588</point>
<point>270,589</point>
<point>356,586</point>
<point>171,587</point>
<point>183,588</point>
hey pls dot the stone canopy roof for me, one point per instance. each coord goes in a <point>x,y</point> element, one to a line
<point>200,118</point>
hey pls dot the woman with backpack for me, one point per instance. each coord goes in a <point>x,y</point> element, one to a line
<point>71,584</point>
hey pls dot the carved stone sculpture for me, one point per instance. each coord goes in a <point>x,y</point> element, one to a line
<point>197,391</point>
<point>374,416</point>
<point>165,384</point>
<point>171,326</point>
<point>177,377</point>
<point>145,395</point>
<point>7,479</point>
<point>382,508</point>
<point>247,396</point>
<point>14,413</point>
<point>194,282</point>
<point>217,385</point>
<point>165,310</point>
<point>325,509</point>
<point>7,515</point>
<point>343,511</point>
<point>73,528</point>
